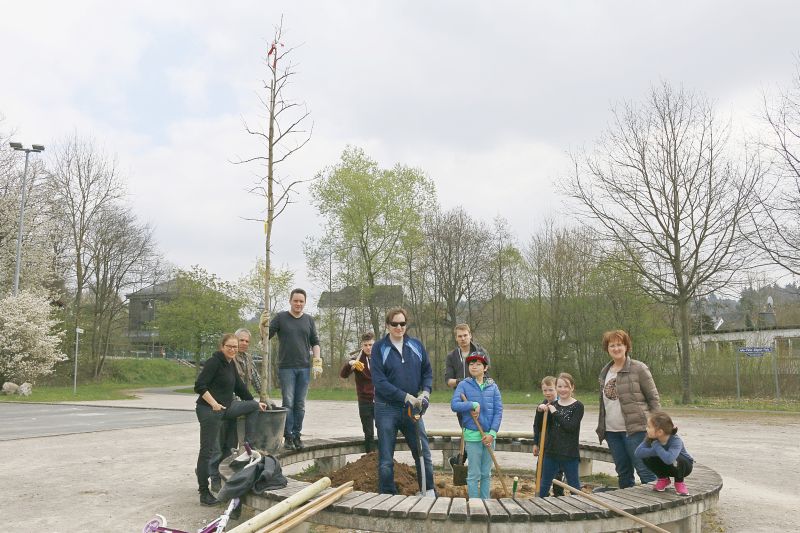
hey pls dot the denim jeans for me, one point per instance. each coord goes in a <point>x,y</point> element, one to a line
<point>623,447</point>
<point>389,419</point>
<point>294,388</point>
<point>211,421</point>
<point>552,465</point>
<point>479,470</point>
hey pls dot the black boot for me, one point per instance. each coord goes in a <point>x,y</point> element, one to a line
<point>368,444</point>
<point>207,499</point>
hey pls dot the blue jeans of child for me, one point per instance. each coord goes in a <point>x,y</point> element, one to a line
<point>551,466</point>
<point>294,388</point>
<point>479,470</point>
<point>389,419</point>
<point>622,447</point>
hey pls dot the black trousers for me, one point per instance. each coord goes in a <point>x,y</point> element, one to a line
<point>211,422</point>
<point>366,412</point>
<point>679,470</point>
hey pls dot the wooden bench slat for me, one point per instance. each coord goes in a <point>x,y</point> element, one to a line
<point>497,512</point>
<point>363,508</point>
<point>402,509</point>
<point>573,511</point>
<point>477,510</point>
<point>458,510</point>
<point>616,502</point>
<point>592,511</point>
<point>540,513</point>
<point>633,506</point>
<point>439,509</point>
<point>421,508</point>
<point>346,506</point>
<point>515,512</point>
<point>383,508</point>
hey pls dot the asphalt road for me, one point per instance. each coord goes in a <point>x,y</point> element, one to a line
<point>24,421</point>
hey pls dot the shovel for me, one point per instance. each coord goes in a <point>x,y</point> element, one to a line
<point>459,470</point>
<point>540,459</point>
<point>491,451</point>
<point>415,415</point>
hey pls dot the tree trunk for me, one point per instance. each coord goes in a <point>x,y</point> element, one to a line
<point>686,361</point>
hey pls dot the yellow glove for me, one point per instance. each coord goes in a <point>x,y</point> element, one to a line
<point>316,367</point>
<point>358,365</point>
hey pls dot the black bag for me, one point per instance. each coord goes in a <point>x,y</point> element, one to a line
<point>271,476</point>
<point>261,477</point>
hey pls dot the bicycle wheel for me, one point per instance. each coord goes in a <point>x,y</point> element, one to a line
<point>156,522</point>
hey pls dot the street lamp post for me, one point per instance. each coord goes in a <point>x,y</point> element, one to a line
<point>34,148</point>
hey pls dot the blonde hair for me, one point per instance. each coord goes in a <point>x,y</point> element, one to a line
<point>548,380</point>
<point>568,378</point>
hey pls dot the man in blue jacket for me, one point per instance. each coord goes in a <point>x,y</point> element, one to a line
<point>402,376</point>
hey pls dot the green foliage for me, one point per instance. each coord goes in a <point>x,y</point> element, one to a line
<point>150,372</point>
<point>371,212</point>
<point>204,308</point>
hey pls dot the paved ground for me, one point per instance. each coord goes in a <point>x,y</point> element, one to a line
<point>109,469</point>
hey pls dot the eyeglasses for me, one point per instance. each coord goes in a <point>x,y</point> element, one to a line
<point>397,324</point>
<point>231,346</point>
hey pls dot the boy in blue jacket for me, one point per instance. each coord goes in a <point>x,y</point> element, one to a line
<point>483,399</point>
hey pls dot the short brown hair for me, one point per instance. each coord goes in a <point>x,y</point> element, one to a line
<point>548,380</point>
<point>368,336</point>
<point>396,311</point>
<point>462,327</point>
<point>618,335</point>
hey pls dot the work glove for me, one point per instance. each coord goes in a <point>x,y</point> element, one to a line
<point>356,365</point>
<point>316,367</point>
<point>424,398</point>
<point>414,402</point>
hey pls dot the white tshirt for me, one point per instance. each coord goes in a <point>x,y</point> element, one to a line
<point>398,345</point>
<point>614,419</point>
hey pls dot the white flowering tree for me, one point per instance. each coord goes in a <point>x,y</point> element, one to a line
<point>29,339</point>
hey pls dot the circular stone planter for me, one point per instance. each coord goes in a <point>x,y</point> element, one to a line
<point>397,513</point>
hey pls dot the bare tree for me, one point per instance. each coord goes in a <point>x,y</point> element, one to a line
<point>777,215</point>
<point>660,187</point>
<point>83,182</point>
<point>458,258</point>
<point>284,134</point>
<point>119,248</point>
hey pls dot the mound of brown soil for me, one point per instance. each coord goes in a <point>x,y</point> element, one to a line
<point>364,475</point>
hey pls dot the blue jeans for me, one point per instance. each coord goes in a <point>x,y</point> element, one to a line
<point>622,447</point>
<point>551,465</point>
<point>389,419</point>
<point>479,470</point>
<point>294,388</point>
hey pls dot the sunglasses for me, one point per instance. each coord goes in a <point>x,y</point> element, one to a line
<point>397,324</point>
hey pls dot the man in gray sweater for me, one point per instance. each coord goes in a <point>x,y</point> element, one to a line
<point>297,341</point>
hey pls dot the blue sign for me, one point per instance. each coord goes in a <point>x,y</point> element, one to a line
<point>755,351</point>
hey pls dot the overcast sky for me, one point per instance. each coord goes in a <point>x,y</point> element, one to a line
<point>485,97</point>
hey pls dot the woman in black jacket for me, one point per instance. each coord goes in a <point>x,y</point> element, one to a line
<point>216,384</point>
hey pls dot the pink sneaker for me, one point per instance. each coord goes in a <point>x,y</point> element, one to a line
<point>680,488</point>
<point>661,484</point>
